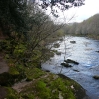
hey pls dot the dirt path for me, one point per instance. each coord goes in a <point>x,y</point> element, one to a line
<point>3,65</point>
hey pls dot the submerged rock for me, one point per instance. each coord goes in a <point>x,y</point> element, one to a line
<point>75,70</point>
<point>73,42</point>
<point>96,76</point>
<point>71,61</point>
<point>66,65</point>
<point>97,51</point>
<point>58,53</point>
<point>56,45</point>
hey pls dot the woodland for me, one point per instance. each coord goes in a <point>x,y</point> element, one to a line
<point>88,27</point>
<point>25,33</point>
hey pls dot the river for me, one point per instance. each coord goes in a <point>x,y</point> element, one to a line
<point>83,51</point>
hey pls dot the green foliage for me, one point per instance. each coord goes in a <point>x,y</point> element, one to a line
<point>64,88</point>
<point>13,71</point>
<point>19,51</point>
<point>33,73</point>
<point>28,96</point>
<point>60,33</point>
<point>36,54</point>
<point>44,92</point>
<point>11,94</point>
<point>88,27</point>
<point>13,14</point>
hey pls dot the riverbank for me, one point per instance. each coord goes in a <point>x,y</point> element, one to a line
<point>45,85</point>
<point>30,82</point>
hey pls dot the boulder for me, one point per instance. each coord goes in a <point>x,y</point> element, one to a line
<point>73,42</point>
<point>75,70</point>
<point>96,76</point>
<point>97,51</point>
<point>66,65</point>
<point>71,61</point>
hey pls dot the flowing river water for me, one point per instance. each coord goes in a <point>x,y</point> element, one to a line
<point>83,51</point>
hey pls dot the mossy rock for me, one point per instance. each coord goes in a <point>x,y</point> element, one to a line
<point>50,87</point>
<point>13,71</point>
<point>29,78</point>
<point>78,90</point>
<point>28,96</point>
<point>66,65</point>
<point>11,93</point>
<point>7,79</point>
<point>33,73</point>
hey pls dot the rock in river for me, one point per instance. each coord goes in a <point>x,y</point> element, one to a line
<point>71,61</point>
<point>96,76</point>
<point>73,42</point>
<point>66,65</point>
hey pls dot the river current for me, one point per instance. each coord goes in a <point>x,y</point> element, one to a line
<point>84,51</point>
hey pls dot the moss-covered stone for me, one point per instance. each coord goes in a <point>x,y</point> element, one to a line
<point>13,71</point>
<point>11,94</point>
<point>77,89</point>
<point>7,79</point>
<point>33,73</point>
<point>27,96</point>
<point>29,78</point>
<point>49,86</point>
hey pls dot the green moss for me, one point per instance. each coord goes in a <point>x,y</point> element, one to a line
<point>11,94</point>
<point>28,96</point>
<point>19,50</point>
<point>63,87</point>
<point>29,78</point>
<point>44,92</point>
<point>13,71</point>
<point>48,86</point>
<point>33,73</point>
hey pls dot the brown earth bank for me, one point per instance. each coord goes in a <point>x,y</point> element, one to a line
<point>3,92</point>
<point>3,65</point>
